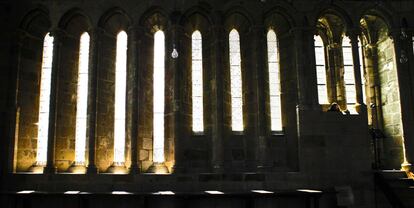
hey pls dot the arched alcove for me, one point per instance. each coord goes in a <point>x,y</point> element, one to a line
<point>151,22</point>
<point>36,25</point>
<point>112,23</point>
<point>283,154</point>
<point>383,88</point>
<point>73,24</point>
<point>197,54</point>
<point>238,118</point>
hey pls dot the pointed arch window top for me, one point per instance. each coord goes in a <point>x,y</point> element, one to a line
<point>197,82</point>
<point>321,70</point>
<point>274,82</point>
<point>120,97</point>
<point>82,100</point>
<point>44,101</point>
<point>159,97</point>
<point>235,82</point>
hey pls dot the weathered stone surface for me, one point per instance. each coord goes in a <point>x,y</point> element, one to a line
<point>143,155</point>
<point>147,143</point>
<point>315,149</point>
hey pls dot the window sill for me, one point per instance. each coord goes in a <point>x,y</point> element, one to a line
<point>278,133</point>
<point>237,132</point>
<point>198,134</point>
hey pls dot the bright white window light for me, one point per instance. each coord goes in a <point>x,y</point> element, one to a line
<point>214,192</point>
<point>158,102</point>
<point>120,94</point>
<point>321,70</point>
<point>121,193</point>
<point>71,192</point>
<point>262,192</point>
<point>274,82</point>
<point>26,192</point>
<point>82,100</point>
<point>44,100</point>
<point>309,191</point>
<point>349,75</point>
<point>361,69</point>
<point>235,82</point>
<point>197,81</point>
<point>164,193</point>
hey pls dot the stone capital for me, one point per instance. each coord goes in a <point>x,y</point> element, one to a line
<point>97,31</point>
<point>334,46</point>
<point>353,33</point>
<point>58,35</point>
<point>259,29</point>
<point>299,30</point>
<point>217,30</point>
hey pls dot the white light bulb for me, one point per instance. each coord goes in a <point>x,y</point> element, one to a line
<point>174,54</point>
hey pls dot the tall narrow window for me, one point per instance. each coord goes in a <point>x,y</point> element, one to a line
<point>274,82</point>
<point>159,97</point>
<point>197,81</point>
<point>44,100</point>
<point>235,82</point>
<point>321,71</point>
<point>361,69</point>
<point>349,75</point>
<point>120,94</point>
<point>412,39</point>
<point>82,100</point>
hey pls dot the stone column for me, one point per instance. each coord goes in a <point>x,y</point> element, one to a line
<point>57,43</point>
<point>336,85</point>
<point>93,97</point>
<point>305,67</point>
<point>259,108</point>
<point>217,97</point>
<point>12,101</point>
<point>406,96</point>
<point>360,107</point>
<point>375,113</point>
<point>133,44</point>
<point>307,103</point>
<point>179,122</point>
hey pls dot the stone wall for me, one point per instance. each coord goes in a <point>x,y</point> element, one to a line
<point>28,101</point>
<point>317,149</point>
<point>106,104</point>
<point>391,109</point>
<point>66,105</point>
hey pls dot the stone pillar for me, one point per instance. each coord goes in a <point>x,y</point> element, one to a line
<point>259,85</point>
<point>371,64</point>
<point>57,43</point>
<point>217,96</point>
<point>179,122</point>
<point>360,107</point>
<point>406,96</point>
<point>133,44</point>
<point>307,103</point>
<point>336,91</point>
<point>12,102</point>
<point>93,98</point>
<point>305,67</point>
